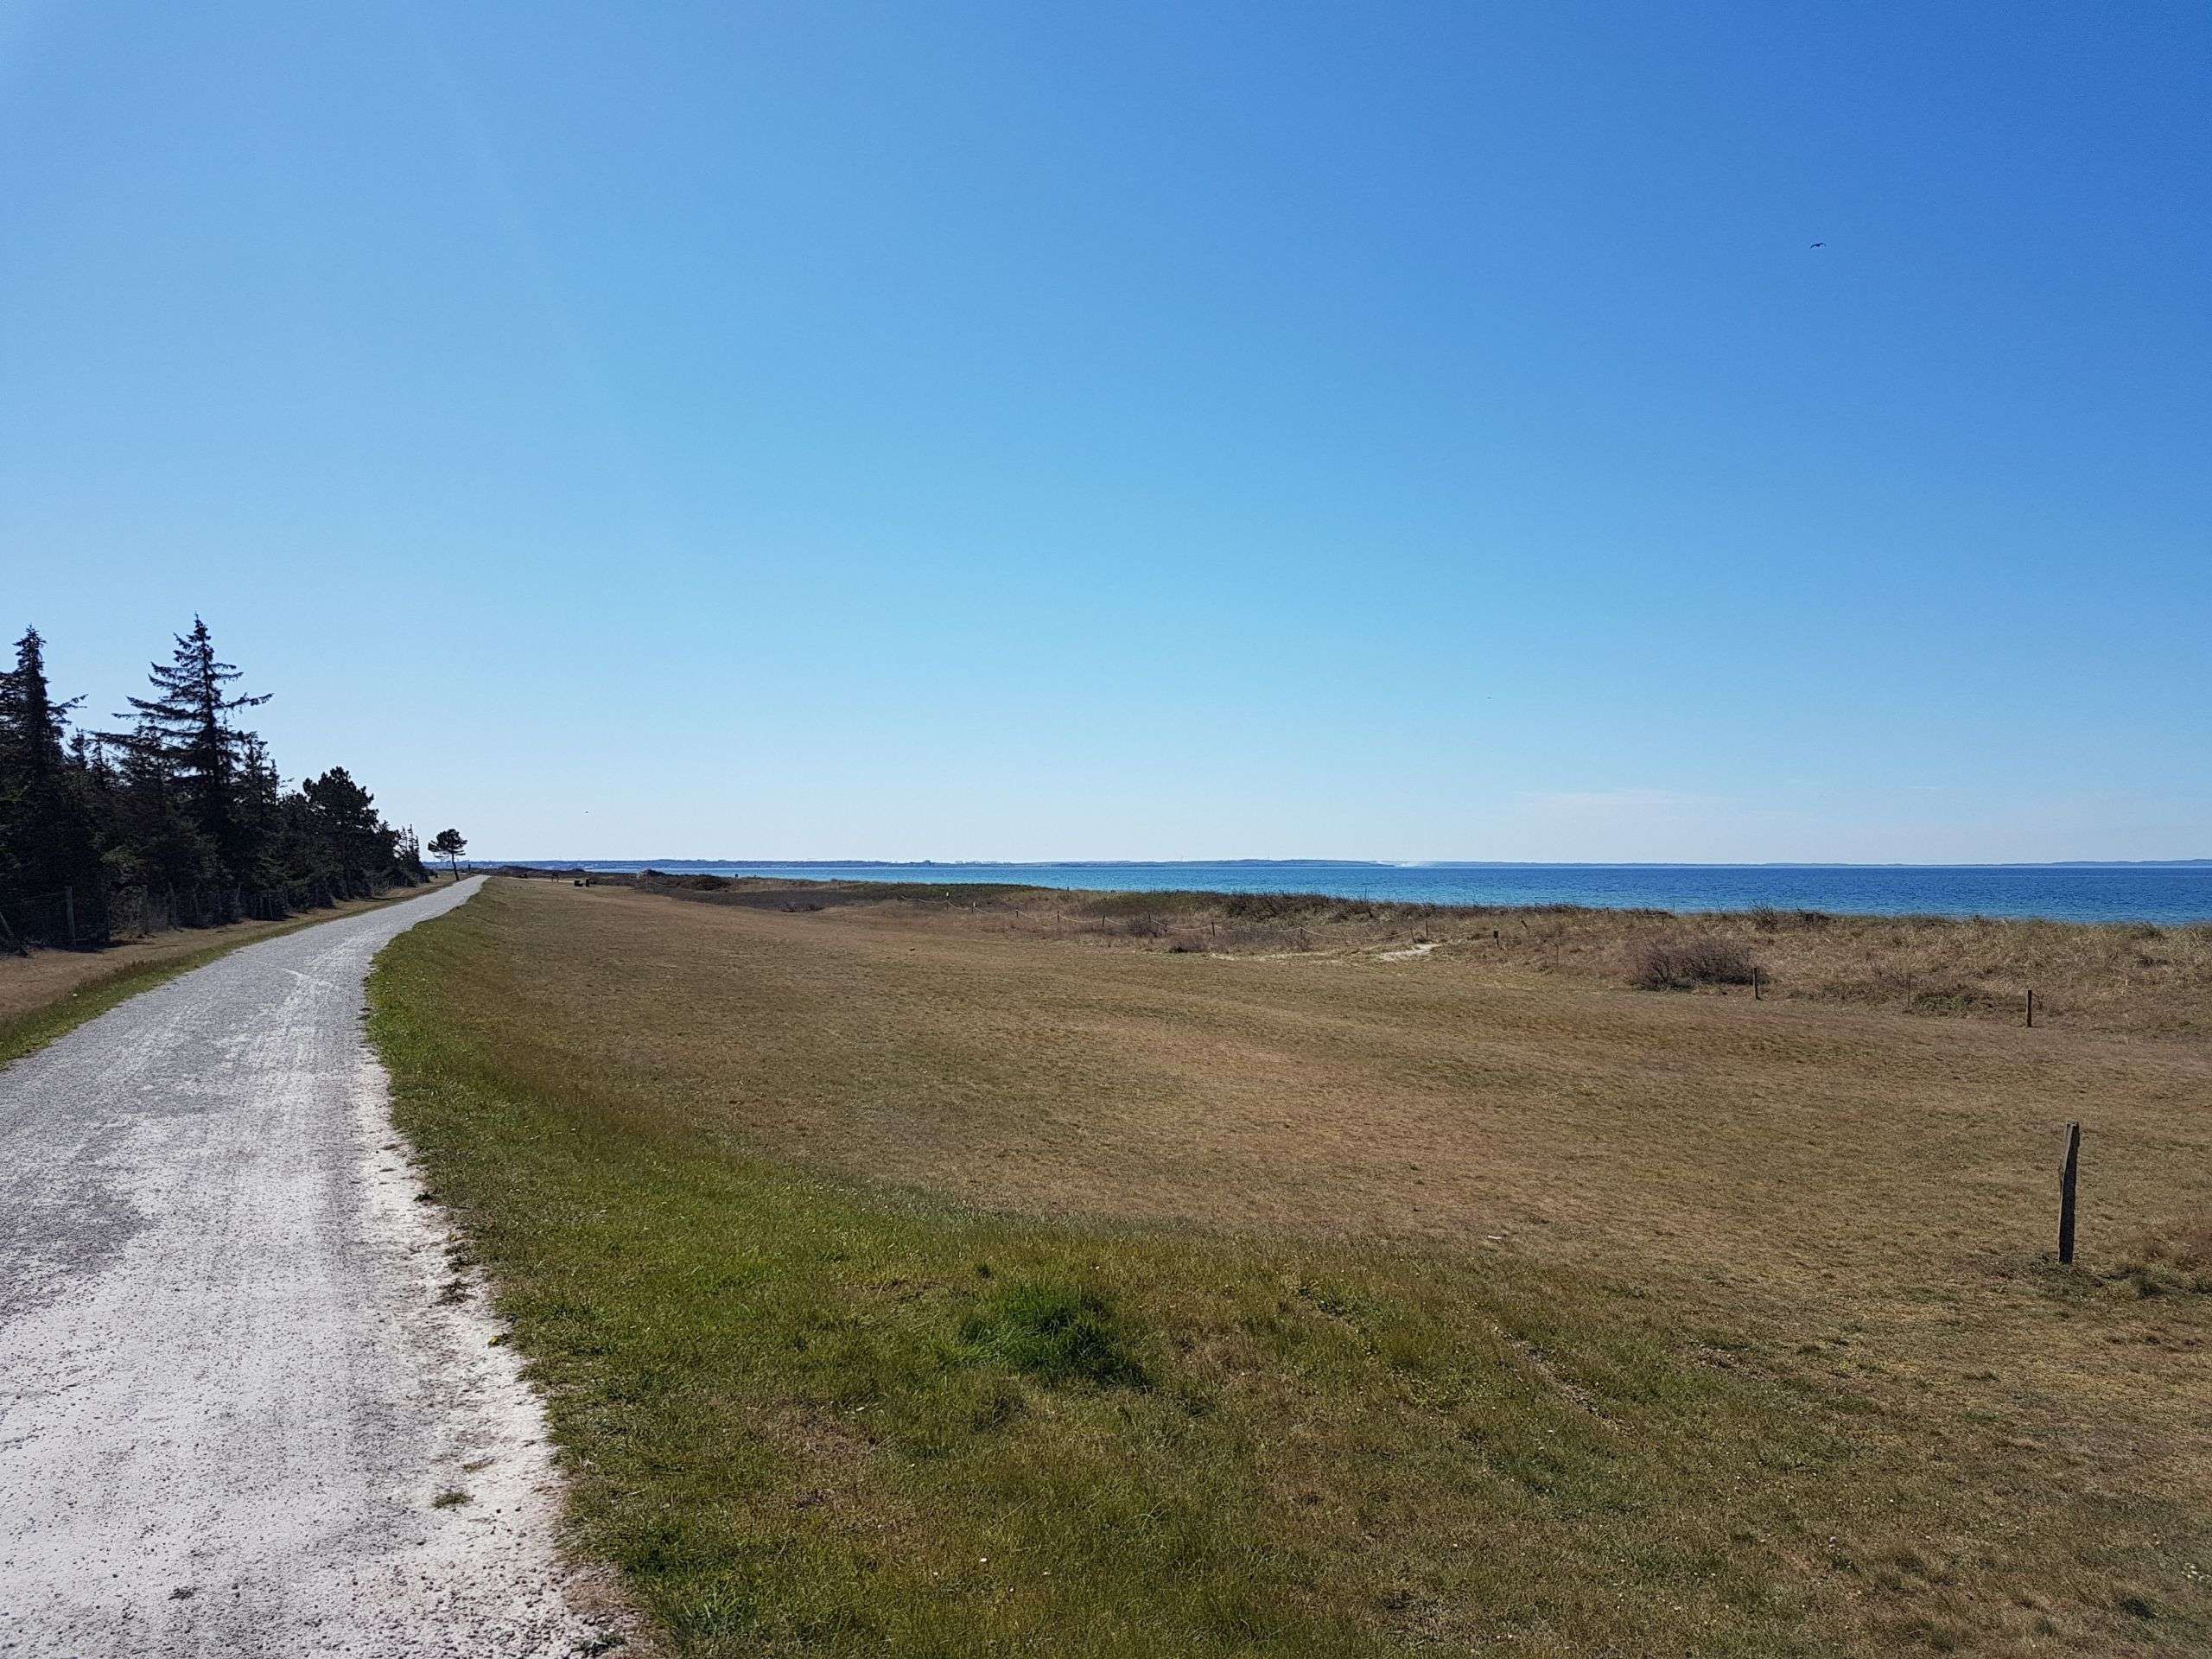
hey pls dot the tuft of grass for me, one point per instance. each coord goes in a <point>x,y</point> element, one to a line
<point>2176,1257</point>
<point>1053,1333</point>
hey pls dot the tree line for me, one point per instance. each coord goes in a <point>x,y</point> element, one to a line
<point>178,812</point>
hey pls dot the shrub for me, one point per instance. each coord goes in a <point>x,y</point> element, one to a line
<point>1679,964</point>
<point>1055,1333</point>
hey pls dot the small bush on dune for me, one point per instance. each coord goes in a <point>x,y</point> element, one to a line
<point>1679,964</point>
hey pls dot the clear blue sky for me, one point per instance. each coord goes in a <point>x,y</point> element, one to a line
<point>944,430</point>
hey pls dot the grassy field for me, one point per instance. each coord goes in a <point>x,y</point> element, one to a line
<point>2135,979</point>
<point>913,1278</point>
<point>49,993</point>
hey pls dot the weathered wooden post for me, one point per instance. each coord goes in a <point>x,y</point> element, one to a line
<point>2031,1010</point>
<point>1755,984</point>
<point>2066,1179</point>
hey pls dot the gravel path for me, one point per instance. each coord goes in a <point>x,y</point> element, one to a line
<point>237,1375</point>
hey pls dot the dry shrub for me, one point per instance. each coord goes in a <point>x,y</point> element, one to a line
<point>1679,964</point>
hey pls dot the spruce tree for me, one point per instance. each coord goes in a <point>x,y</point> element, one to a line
<point>49,839</point>
<point>209,767</point>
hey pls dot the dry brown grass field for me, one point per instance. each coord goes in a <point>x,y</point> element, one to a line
<point>1839,1203</point>
<point>2134,978</point>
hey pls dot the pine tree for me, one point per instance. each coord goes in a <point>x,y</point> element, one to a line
<point>184,807</point>
<point>49,839</point>
<point>49,826</point>
<point>207,765</point>
<point>450,844</point>
<point>32,726</point>
<point>358,843</point>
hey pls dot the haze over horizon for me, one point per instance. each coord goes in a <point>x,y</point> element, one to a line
<point>973,432</point>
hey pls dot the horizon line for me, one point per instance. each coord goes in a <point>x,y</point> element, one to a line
<point>1374,863</point>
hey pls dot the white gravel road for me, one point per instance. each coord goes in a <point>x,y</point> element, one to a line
<point>237,1373</point>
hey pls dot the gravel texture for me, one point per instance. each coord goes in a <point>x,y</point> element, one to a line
<point>238,1373</point>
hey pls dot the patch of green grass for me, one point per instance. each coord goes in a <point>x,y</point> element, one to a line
<point>1054,1332</point>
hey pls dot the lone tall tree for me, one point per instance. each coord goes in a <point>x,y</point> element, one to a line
<point>450,844</point>
<point>185,730</point>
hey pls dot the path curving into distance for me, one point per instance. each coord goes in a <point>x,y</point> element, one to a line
<point>236,1372</point>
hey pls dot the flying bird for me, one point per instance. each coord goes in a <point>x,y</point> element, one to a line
<point>1819,244</point>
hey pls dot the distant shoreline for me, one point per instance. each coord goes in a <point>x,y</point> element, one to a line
<point>2177,892</point>
<point>1307,864</point>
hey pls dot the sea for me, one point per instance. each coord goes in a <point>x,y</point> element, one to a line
<point>2166,894</point>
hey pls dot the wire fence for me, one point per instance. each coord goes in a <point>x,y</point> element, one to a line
<point>83,919</point>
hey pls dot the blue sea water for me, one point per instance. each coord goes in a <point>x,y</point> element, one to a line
<point>2166,894</point>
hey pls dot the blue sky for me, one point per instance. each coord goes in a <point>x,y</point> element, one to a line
<point>1409,431</point>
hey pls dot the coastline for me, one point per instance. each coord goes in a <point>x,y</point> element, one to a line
<point>2171,895</point>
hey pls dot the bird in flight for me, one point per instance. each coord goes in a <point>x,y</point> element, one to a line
<point>1819,244</point>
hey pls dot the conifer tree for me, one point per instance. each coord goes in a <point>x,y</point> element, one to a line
<point>185,801</point>
<point>49,836</point>
<point>343,818</point>
<point>450,844</point>
<point>209,765</point>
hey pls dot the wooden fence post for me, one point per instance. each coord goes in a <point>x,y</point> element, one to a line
<point>2032,1009</point>
<point>2066,1179</point>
